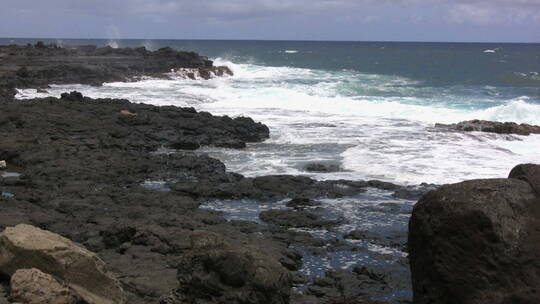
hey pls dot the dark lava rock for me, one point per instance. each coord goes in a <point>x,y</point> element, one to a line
<point>273,187</point>
<point>40,65</point>
<point>413,192</point>
<point>383,238</point>
<point>216,272</point>
<point>302,203</point>
<point>345,287</point>
<point>323,168</point>
<point>529,173</point>
<point>477,242</point>
<point>296,219</point>
<point>492,127</point>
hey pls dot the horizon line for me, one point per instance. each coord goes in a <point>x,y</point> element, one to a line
<point>279,40</point>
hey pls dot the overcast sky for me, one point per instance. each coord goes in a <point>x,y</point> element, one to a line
<point>381,20</point>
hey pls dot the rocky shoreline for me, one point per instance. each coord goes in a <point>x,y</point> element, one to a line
<point>82,173</point>
<point>80,167</point>
<point>77,167</point>
<point>38,66</point>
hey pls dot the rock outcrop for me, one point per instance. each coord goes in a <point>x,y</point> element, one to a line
<point>37,66</point>
<point>492,127</point>
<point>25,246</point>
<point>478,241</point>
<point>218,272</point>
<point>31,286</point>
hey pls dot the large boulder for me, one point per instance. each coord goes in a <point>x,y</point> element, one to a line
<point>31,286</point>
<point>476,242</point>
<point>529,173</point>
<point>25,246</point>
<point>218,272</point>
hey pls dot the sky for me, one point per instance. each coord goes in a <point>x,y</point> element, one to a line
<point>351,20</point>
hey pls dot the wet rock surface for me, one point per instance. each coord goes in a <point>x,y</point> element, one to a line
<point>477,241</point>
<point>492,127</point>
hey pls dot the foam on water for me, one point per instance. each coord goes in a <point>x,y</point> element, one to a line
<point>375,126</point>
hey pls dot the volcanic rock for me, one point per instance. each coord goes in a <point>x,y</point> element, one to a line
<point>492,127</point>
<point>529,173</point>
<point>477,242</point>
<point>217,272</point>
<point>296,219</point>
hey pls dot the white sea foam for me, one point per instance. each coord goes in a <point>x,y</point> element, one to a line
<point>113,43</point>
<point>290,51</point>
<point>490,51</point>
<point>376,126</point>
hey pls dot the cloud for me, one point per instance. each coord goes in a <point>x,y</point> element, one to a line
<point>152,18</point>
<point>484,13</point>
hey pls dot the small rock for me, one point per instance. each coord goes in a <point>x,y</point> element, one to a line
<point>296,219</point>
<point>31,286</point>
<point>127,113</point>
<point>322,168</point>
<point>302,203</point>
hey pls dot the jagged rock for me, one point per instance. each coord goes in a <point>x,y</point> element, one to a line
<point>477,242</point>
<point>300,203</point>
<point>296,219</point>
<point>31,286</point>
<point>218,272</point>
<point>25,246</point>
<point>492,127</point>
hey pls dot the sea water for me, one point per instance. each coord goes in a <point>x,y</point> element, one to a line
<point>368,106</point>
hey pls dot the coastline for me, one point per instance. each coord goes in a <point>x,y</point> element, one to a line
<point>82,168</point>
<point>125,181</point>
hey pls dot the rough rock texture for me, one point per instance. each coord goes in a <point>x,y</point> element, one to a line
<point>25,246</point>
<point>296,219</point>
<point>37,66</point>
<point>529,173</point>
<point>31,286</point>
<point>478,242</point>
<point>276,187</point>
<point>493,127</point>
<point>217,272</point>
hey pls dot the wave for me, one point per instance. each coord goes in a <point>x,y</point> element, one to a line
<point>113,43</point>
<point>315,92</point>
<point>374,125</point>
<point>337,94</point>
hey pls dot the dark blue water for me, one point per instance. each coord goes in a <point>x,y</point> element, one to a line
<point>434,64</point>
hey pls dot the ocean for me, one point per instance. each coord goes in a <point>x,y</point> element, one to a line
<point>369,107</point>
